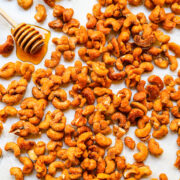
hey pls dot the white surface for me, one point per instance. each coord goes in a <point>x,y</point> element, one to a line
<point>81,7</point>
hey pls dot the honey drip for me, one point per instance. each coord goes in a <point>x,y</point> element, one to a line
<point>38,57</point>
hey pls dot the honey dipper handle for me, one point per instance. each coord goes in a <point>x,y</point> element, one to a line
<point>7,18</point>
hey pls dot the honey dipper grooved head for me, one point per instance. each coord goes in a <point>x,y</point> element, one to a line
<point>28,38</point>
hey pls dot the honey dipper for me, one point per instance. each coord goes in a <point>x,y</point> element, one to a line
<point>26,36</point>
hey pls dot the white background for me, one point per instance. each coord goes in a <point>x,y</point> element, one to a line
<point>163,164</point>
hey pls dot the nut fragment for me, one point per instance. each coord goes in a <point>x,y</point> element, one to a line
<point>50,3</point>
<point>26,4</point>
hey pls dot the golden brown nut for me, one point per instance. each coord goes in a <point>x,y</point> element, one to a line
<point>54,135</point>
<point>115,150</point>
<point>68,14</point>
<point>23,129</point>
<point>8,46</point>
<point>73,23</point>
<point>24,69</point>
<point>50,3</point>
<point>25,144</point>
<point>26,4</point>
<point>17,173</point>
<point>129,142</point>
<point>56,24</point>
<point>89,164</point>
<point>69,55</point>
<point>15,91</point>
<point>154,147</point>
<point>175,48</point>
<point>177,162</point>
<point>28,165</point>
<point>168,24</point>
<point>6,112</point>
<point>89,95</point>
<point>142,155</point>
<point>157,15</point>
<point>156,80</point>
<point>121,162</point>
<point>102,140</point>
<point>161,132</point>
<point>143,132</point>
<point>58,10</point>
<point>14,147</point>
<point>175,8</point>
<point>163,176</point>
<point>54,61</point>
<point>54,146</point>
<point>7,70</point>
<point>91,21</point>
<point>54,166</point>
<point>40,15</point>
<point>32,155</point>
<point>40,148</point>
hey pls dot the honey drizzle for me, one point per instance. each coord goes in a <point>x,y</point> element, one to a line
<point>38,57</point>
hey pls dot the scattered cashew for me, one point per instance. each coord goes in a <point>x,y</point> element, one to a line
<point>40,16</point>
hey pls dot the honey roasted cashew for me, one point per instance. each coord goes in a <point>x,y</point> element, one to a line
<point>129,142</point>
<point>28,165</point>
<point>40,148</point>
<point>54,135</point>
<point>14,147</point>
<point>54,166</point>
<point>23,129</point>
<point>8,46</point>
<point>50,3</point>
<point>54,146</point>
<point>161,132</point>
<point>17,173</point>
<point>102,140</point>
<point>142,155</point>
<point>116,149</point>
<point>143,132</point>
<point>25,144</point>
<point>26,4</point>
<point>154,147</point>
<point>40,15</point>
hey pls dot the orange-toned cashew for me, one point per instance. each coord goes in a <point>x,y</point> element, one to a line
<point>142,155</point>
<point>129,142</point>
<point>154,147</point>
<point>8,46</point>
<point>54,166</point>
<point>141,133</point>
<point>161,132</point>
<point>41,14</point>
<point>14,147</point>
<point>102,140</point>
<point>17,173</point>
<point>28,165</point>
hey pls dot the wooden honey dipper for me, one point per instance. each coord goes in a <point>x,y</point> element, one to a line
<point>26,36</point>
